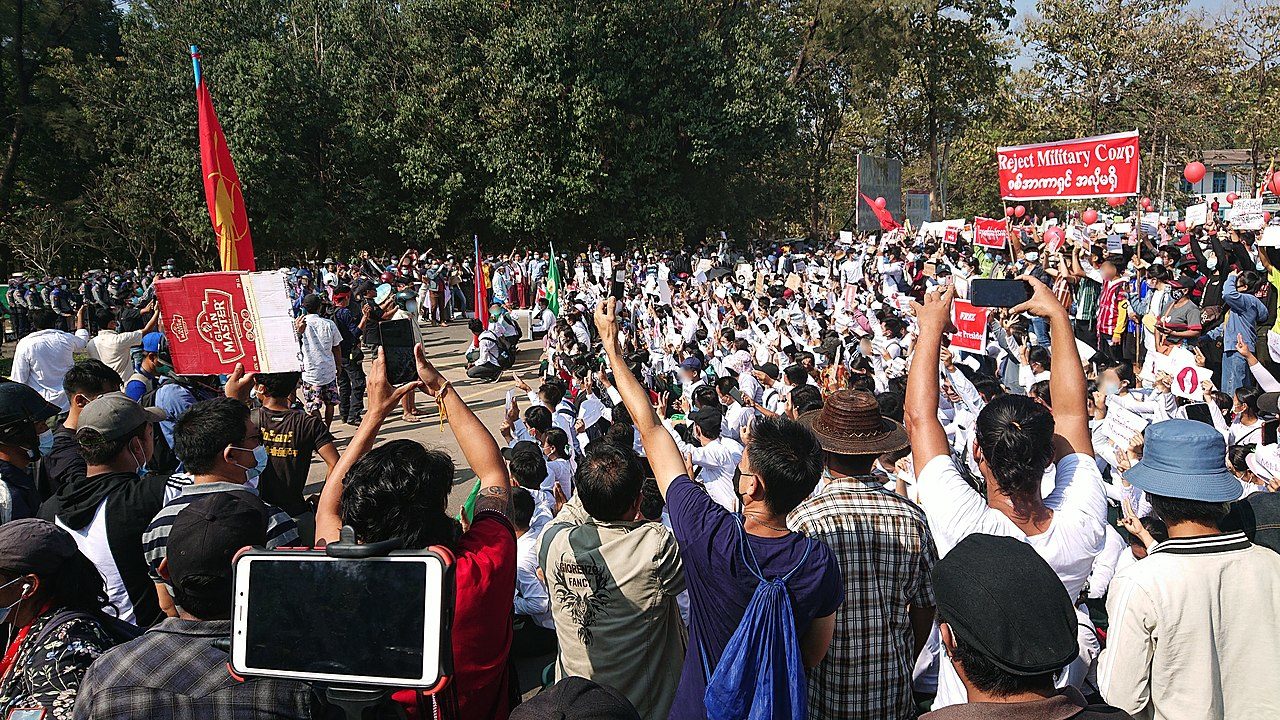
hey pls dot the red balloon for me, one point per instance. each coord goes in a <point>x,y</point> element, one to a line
<point>1146,203</point>
<point>1193,172</point>
<point>1274,184</point>
<point>1181,226</point>
<point>1020,211</point>
<point>1053,236</point>
<point>1008,212</point>
<point>880,202</point>
<point>1232,198</point>
<point>1115,201</point>
<point>1089,216</point>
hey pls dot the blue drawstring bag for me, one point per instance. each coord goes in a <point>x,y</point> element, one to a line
<point>760,676</point>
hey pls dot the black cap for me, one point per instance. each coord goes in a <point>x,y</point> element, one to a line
<point>1004,601</point>
<point>770,369</point>
<point>520,446</point>
<point>1269,403</point>
<point>709,418</point>
<point>208,533</point>
<point>576,698</point>
<point>19,401</point>
<point>34,546</point>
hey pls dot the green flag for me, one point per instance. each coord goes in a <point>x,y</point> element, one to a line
<point>553,283</point>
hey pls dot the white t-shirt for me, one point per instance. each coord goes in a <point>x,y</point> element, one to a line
<point>1076,535</point>
<point>319,338</point>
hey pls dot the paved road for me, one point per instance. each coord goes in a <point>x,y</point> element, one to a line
<point>446,347</point>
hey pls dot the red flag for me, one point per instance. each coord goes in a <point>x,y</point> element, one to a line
<point>481,298</point>
<point>886,220</point>
<point>221,184</point>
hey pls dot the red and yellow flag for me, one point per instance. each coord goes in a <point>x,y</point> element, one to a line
<point>221,184</point>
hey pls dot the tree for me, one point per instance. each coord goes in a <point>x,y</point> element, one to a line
<point>954,54</point>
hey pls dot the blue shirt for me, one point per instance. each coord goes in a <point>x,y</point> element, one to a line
<point>1246,312</point>
<point>175,400</point>
<point>720,584</point>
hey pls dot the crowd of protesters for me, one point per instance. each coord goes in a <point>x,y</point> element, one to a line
<point>725,485</point>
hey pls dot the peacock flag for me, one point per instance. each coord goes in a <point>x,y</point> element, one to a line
<point>481,298</point>
<point>553,283</point>
<point>221,184</point>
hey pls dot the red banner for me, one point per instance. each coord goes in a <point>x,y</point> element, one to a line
<point>971,326</point>
<point>990,233</point>
<point>1093,167</point>
<point>215,320</point>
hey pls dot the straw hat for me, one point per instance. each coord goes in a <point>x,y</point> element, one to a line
<point>850,423</point>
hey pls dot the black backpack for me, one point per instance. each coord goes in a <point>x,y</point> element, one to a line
<point>116,629</point>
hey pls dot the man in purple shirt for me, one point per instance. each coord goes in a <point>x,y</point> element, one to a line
<point>780,467</point>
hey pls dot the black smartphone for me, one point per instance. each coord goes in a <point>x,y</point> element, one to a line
<point>397,347</point>
<point>999,293</point>
<point>327,635</point>
<point>618,288</point>
<point>1198,412</point>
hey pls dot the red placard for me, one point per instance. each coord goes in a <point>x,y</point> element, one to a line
<point>215,320</point>
<point>952,235</point>
<point>990,233</point>
<point>1101,166</point>
<point>971,326</point>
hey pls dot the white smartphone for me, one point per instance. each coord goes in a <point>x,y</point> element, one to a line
<point>382,621</point>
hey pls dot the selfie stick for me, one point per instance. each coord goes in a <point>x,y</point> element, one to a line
<point>363,703</point>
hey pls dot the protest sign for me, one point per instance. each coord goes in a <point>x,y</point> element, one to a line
<point>1102,166</point>
<point>1079,236</point>
<point>664,284</point>
<point>1197,214</point>
<point>971,326</point>
<point>846,237</point>
<point>1187,375</point>
<point>1115,244</point>
<point>951,235</point>
<point>1270,236</point>
<point>1247,214</point>
<point>990,233</point>
<point>215,320</point>
<point>1117,433</point>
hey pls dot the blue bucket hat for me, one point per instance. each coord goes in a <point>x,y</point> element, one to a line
<point>1185,459</point>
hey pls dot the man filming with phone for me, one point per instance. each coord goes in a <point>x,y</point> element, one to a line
<point>400,489</point>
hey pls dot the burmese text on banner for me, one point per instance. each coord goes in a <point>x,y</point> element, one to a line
<point>1101,166</point>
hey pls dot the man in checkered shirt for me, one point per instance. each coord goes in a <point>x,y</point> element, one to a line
<point>885,552</point>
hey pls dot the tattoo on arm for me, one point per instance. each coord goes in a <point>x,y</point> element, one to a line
<point>494,497</point>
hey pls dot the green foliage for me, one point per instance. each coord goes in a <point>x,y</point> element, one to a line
<point>368,124</point>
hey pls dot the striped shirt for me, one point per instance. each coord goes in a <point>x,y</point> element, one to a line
<point>282,531</point>
<point>1109,305</point>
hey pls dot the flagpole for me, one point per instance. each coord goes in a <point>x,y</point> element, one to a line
<point>195,62</point>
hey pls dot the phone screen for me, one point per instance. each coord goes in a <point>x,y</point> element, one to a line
<point>999,293</point>
<point>397,346</point>
<point>619,286</point>
<point>376,619</point>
